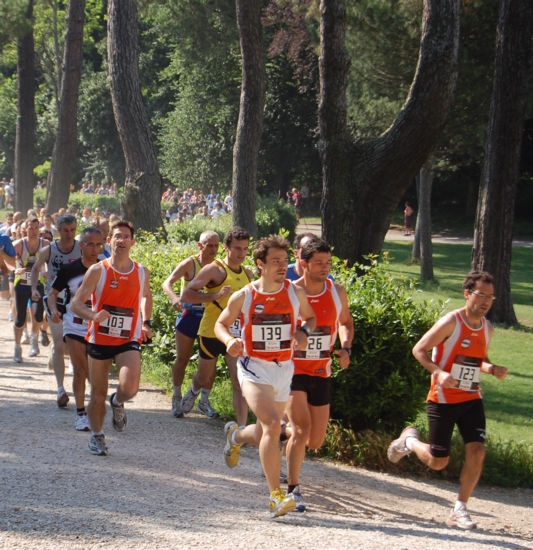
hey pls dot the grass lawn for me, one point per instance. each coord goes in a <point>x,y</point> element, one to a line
<point>508,404</point>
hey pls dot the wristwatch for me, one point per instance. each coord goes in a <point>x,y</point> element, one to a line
<point>348,351</point>
<point>148,323</point>
<point>306,329</point>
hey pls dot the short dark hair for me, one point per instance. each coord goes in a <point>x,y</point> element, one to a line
<point>300,237</point>
<point>31,219</point>
<point>122,223</point>
<point>312,247</point>
<point>89,231</point>
<point>236,233</point>
<point>262,246</point>
<point>66,219</point>
<point>474,276</point>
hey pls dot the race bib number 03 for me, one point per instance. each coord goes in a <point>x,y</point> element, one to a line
<point>466,370</point>
<point>119,324</point>
<point>271,332</point>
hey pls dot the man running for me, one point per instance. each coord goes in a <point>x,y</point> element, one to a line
<point>119,322</point>
<point>309,402</point>
<point>189,316</point>
<point>268,311</point>
<point>55,256</point>
<point>295,270</point>
<point>213,286</point>
<point>460,342</point>
<point>28,250</point>
<point>69,279</point>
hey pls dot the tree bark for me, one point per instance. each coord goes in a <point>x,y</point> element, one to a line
<point>499,175</point>
<point>249,126</point>
<point>141,201</point>
<point>363,182</point>
<point>25,136</point>
<point>64,155</point>
<point>424,219</point>
<point>415,254</point>
<point>8,152</point>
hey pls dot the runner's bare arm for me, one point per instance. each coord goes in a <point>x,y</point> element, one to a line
<point>234,346</point>
<point>17,245</point>
<point>184,269</point>
<point>346,328</point>
<point>307,315</point>
<point>437,334</point>
<point>52,306</point>
<point>44,256</point>
<point>210,275</point>
<point>146,306</point>
<point>77,305</point>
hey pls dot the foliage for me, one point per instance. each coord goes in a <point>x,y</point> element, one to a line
<point>42,170</point>
<point>385,386</point>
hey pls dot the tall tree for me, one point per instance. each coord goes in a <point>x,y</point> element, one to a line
<point>249,126</point>
<point>423,220</point>
<point>495,213</point>
<point>143,186</point>
<point>25,137</point>
<point>64,155</point>
<point>363,182</point>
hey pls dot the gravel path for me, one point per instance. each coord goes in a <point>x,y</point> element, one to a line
<point>165,485</point>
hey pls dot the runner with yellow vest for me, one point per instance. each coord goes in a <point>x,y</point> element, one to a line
<point>189,317</point>
<point>213,286</point>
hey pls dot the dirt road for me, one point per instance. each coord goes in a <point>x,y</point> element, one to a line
<point>165,485</point>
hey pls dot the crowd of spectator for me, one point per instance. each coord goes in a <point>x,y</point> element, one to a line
<point>192,204</point>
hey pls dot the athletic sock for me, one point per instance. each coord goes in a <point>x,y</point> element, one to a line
<point>115,401</point>
<point>177,390</point>
<point>409,443</point>
<point>459,505</point>
<point>205,395</point>
<point>290,488</point>
<point>233,437</point>
<point>81,411</point>
<point>98,433</point>
<point>195,392</point>
<point>61,390</point>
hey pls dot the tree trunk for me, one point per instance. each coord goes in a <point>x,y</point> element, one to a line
<point>249,126</point>
<point>25,137</point>
<point>4,145</point>
<point>499,175</point>
<point>64,155</point>
<point>415,254</point>
<point>363,182</point>
<point>424,219</point>
<point>141,201</point>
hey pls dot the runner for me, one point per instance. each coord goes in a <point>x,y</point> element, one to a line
<point>69,279</point>
<point>295,270</point>
<point>189,316</point>
<point>28,250</point>
<point>267,310</point>
<point>460,341</point>
<point>120,293</point>
<point>55,256</point>
<point>212,287</point>
<point>309,402</point>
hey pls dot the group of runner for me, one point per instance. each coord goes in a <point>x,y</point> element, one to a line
<point>277,335</point>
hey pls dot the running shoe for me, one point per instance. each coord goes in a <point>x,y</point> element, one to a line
<point>397,449</point>
<point>205,408</point>
<point>62,399</point>
<point>297,496</point>
<point>17,356</point>
<point>232,451</point>
<point>281,503</point>
<point>119,418</point>
<point>460,518</point>
<point>10,317</point>
<point>25,338</point>
<point>82,423</point>
<point>97,445</point>
<point>34,346</point>
<point>45,341</point>
<point>176,406</point>
<point>188,401</point>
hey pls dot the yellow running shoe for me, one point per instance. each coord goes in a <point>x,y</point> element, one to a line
<point>281,503</point>
<point>232,451</point>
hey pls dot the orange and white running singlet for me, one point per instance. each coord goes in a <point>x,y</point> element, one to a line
<point>315,360</point>
<point>461,355</point>
<point>268,320</point>
<point>120,294</point>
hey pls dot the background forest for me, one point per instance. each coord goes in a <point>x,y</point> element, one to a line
<point>191,78</point>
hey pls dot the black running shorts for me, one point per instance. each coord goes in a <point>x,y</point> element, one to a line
<point>317,388</point>
<point>102,353</point>
<point>210,348</point>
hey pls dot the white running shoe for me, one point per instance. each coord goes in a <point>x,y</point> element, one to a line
<point>281,503</point>
<point>17,356</point>
<point>397,448</point>
<point>297,496</point>
<point>25,338</point>
<point>176,407</point>
<point>34,346</point>
<point>188,401</point>
<point>82,423</point>
<point>460,518</point>
<point>205,408</point>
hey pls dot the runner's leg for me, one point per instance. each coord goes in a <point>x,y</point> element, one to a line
<point>78,355</point>
<point>300,419</point>
<point>58,352</point>
<point>129,374</point>
<point>99,377</point>
<point>239,402</point>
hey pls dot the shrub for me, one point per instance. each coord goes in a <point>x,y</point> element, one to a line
<point>384,387</point>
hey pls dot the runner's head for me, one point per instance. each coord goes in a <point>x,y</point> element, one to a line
<point>236,243</point>
<point>478,291</point>
<point>91,244</point>
<point>66,225</point>
<point>32,227</point>
<point>271,256</point>
<point>315,257</point>
<point>121,237</point>
<point>102,224</point>
<point>208,245</point>
<point>300,240</point>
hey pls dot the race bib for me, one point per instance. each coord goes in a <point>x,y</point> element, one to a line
<point>25,278</point>
<point>235,329</point>
<point>79,320</point>
<point>120,322</point>
<point>466,370</point>
<point>318,345</point>
<point>271,332</point>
